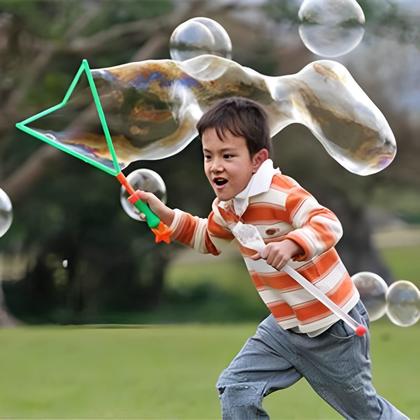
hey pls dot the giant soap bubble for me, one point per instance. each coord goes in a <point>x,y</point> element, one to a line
<point>403,300</point>
<point>6,214</point>
<point>145,180</point>
<point>331,28</point>
<point>372,289</point>
<point>152,108</point>
<point>199,36</point>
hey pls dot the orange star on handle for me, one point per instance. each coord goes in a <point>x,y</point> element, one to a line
<point>162,233</point>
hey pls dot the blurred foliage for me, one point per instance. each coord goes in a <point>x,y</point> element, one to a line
<point>72,213</point>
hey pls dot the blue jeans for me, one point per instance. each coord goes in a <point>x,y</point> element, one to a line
<point>336,364</point>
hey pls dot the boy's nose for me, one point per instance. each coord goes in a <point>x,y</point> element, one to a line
<point>217,166</point>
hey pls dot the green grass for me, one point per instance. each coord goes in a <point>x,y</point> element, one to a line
<point>404,263</point>
<point>166,372</point>
<point>169,372</point>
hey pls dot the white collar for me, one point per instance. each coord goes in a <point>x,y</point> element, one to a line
<point>259,183</point>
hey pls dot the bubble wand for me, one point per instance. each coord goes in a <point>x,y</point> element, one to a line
<point>248,236</point>
<point>160,230</point>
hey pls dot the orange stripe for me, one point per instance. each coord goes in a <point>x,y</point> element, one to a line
<point>321,265</point>
<point>281,310</point>
<point>228,216</point>
<point>260,213</point>
<point>295,201</point>
<point>256,279</point>
<point>282,182</point>
<point>247,252</point>
<point>323,228</point>
<point>186,228</point>
<point>210,246</point>
<point>217,230</point>
<point>314,272</point>
<point>315,310</point>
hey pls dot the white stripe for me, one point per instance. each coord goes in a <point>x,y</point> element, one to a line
<point>270,295</point>
<point>177,218</point>
<point>328,283</point>
<point>297,297</point>
<point>320,323</point>
<point>301,216</point>
<point>199,235</point>
<point>259,266</point>
<point>334,226</point>
<point>280,229</point>
<point>273,197</point>
<point>309,237</point>
<point>289,323</point>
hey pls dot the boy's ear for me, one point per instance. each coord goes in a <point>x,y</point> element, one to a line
<point>259,157</point>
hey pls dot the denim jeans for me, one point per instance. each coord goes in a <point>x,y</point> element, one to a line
<point>336,364</point>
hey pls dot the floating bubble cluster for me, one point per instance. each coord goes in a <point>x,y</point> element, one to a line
<point>331,28</point>
<point>372,289</point>
<point>199,36</point>
<point>6,213</point>
<point>145,180</point>
<point>403,303</point>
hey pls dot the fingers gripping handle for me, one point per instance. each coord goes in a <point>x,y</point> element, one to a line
<point>151,219</point>
<point>161,231</point>
<point>249,236</point>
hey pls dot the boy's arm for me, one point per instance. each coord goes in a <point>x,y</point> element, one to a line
<point>165,213</point>
<point>204,235</point>
<point>317,228</point>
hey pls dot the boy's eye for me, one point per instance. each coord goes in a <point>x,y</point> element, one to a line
<point>227,156</point>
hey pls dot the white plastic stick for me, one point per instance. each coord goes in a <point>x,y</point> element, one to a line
<point>248,236</point>
<point>359,329</point>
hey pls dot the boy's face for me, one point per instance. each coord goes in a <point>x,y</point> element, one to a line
<point>228,164</point>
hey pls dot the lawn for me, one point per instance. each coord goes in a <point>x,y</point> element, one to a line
<point>169,371</point>
<point>166,372</point>
<point>404,262</point>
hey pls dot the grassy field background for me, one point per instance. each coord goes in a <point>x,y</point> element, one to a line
<point>166,372</point>
<point>169,371</point>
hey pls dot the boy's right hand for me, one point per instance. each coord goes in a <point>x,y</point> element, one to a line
<point>165,213</point>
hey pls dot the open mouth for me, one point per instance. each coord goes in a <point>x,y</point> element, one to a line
<point>220,181</point>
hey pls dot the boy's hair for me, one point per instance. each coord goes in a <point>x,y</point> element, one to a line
<point>243,118</point>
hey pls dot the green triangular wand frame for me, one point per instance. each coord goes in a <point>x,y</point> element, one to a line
<point>160,230</point>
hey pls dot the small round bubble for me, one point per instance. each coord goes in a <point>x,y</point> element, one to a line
<point>144,180</point>
<point>372,289</point>
<point>331,28</point>
<point>199,36</point>
<point>6,213</point>
<point>403,303</point>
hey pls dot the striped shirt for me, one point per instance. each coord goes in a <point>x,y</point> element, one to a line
<point>280,209</point>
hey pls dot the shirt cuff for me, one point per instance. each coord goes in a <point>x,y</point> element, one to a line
<point>175,222</point>
<point>307,250</point>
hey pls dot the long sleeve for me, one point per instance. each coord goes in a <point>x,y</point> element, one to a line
<point>204,235</point>
<point>316,228</point>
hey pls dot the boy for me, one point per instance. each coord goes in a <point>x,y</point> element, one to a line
<point>301,337</point>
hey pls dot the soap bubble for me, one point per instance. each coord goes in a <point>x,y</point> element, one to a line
<point>331,28</point>
<point>403,300</point>
<point>199,36</point>
<point>372,289</point>
<point>152,108</point>
<point>6,213</point>
<point>144,180</point>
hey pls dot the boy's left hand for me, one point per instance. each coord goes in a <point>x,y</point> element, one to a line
<point>278,254</point>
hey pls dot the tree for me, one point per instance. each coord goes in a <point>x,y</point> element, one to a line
<point>41,47</point>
